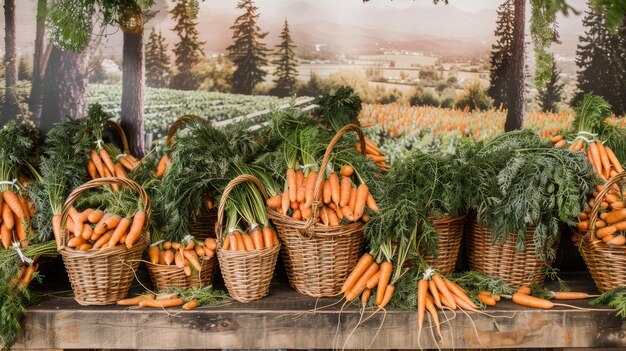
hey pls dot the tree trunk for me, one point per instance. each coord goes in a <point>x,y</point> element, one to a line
<point>132,92</point>
<point>34,104</point>
<point>64,85</point>
<point>515,114</point>
<point>10,110</point>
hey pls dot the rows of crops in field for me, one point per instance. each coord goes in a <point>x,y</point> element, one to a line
<point>164,106</point>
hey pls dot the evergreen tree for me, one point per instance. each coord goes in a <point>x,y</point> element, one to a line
<point>601,57</point>
<point>247,52</point>
<point>157,61</point>
<point>188,50</point>
<point>552,92</point>
<point>501,53</point>
<point>286,73</point>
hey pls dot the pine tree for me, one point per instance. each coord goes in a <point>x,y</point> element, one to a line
<point>247,52</point>
<point>601,57</point>
<point>188,50</point>
<point>552,92</point>
<point>501,53</point>
<point>157,61</point>
<point>286,73</point>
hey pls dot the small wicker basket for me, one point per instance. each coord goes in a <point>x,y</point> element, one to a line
<point>247,274</point>
<point>102,277</point>
<point>165,277</point>
<point>607,264</point>
<point>450,230</point>
<point>319,258</point>
<point>517,268</point>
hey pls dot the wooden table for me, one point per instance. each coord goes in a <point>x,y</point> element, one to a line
<point>285,320</point>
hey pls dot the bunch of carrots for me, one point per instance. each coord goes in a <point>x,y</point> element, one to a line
<point>255,239</point>
<point>15,218</point>
<point>601,157</point>
<point>366,276</point>
<point>102,165</point>
<point>95,229</point>
<point>183,255</point>
<point>373,152</point>
<point>340,198</point>
<point>611,224</point>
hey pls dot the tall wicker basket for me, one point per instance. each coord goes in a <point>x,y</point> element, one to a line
<point>102,277</point>
<point>504,261</point>
<point>247,274</point>
<point>450,230</point>
<point>319,258</point>
<point>204,224</point>
<point>607,264</point>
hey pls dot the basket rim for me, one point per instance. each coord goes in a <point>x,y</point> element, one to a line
<point>318,229</point>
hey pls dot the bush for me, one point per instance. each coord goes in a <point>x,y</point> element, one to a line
<point>423,97</point>
<point>390,97</point>
<point>185,81</point>
<point>475,98</point>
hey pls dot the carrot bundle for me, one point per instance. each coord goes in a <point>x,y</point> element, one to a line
<point>16,211</point>
<point>253,239</point>
<point>97,229</point>
<point>340,198</point>
<point>103,163</point>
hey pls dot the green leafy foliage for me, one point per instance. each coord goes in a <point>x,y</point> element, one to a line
<point>19,151</point>
<point>516,182</point>
<point>340,107</point>
<point>205,295</point>
<point>473,282</point>
<point>616,299</point>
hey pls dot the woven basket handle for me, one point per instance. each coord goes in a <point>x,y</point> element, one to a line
<point>306,232</point>
<point>96,183</point>
<point>222,205</point>
<point>594,211</point>
<point>118,129</point>
<point>179,123</point>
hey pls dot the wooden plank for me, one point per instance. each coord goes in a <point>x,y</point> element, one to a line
<point>285,320</point>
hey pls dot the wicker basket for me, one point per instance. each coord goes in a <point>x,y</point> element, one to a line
<point>204,224</point>
<point>504,261</point>
<point>165,277</point>
<point>102,277</point>
<point>319,258</point>
<point>607,264</point>
<point>118,129</point>
<point>247,274</point>
<point>450,230</point>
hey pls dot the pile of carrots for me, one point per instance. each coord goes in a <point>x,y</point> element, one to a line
<point>611,222</point>
<point>183,255</point>
<point>366,276</point>
<point>95,229</point>
<point>373,151</point>
<point>101,165</point>
<point>15,219</point>
<point>340,198</point>
<point>604,161</point>
<point>255,239</point>
<point>159,301</point>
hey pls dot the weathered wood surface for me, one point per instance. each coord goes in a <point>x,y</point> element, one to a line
<point>285,320</point>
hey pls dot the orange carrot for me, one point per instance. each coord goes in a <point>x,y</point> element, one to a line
<point>5,236</point>
<point>327,195</point>
<point>161,303</point>
<point>153,254</point>
<point>373,282</point>
<point>361,199</point>
<point>97,161</point>
<point>134,300</point>
<point>332,217</point>
<point>443,289</point>
<point>7,216</point>
<point>257,239</point>
<point>614,161</point>
<point>333,179</point>
<point>56,228</point>
<point>365,296</point>
<point>531,301</point>
<point>347,213</point>
<point>120,230</point>
<point>323,215</point>
<point>616,216</point>
<point>435,294</point>
<point>310,188</point>
<point>136,228</point>
<point>268,237</point>
<point>346,185</point>
<point>87,231</point>
<point>162,165</point>
<point>608,230</point>
<point>75,242</point>
<point>618,240</point>
<point>28,275</point>
<point>386,268</point>
<point>352,203</point>
<point>120,172</point>
<point>85,247</point>
<point>169,257</point>
<point>247,242</point>
<point>433,313</point>
<point>301,185</point>
<point>210,243</point>
<point>387,297</point>
<point>362,265</point>
<point>619,225</point>
<point>524,290</point>
<point>422,290</point>
<point>193,259</point>
<point>604,159</point>
<point>556,138</point>
<point>371,203</point>
<point>104,155</point>
<point>191,305</point>
<point>458,291</point>
<point>104,239</point>
<point>95,216</point>
<point>595,156</point>
<point>291,184</point>
<point>240,245</point>
<point>487,300</point>
<point>124,161</point>
<point>560,143</point>
<point>297,215</point>
<point>179,260</point>
<point>230,243</point>
<point>285,202</point>
<point>347,170</point>
<point>360,284</point>
<point>274,202</point>
<point>91,169</point>
<point>570,295</point>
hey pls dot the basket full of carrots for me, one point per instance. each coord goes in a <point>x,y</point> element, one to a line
<point>247,257</point>
<point>320,221</point>
<point>103,235</point>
